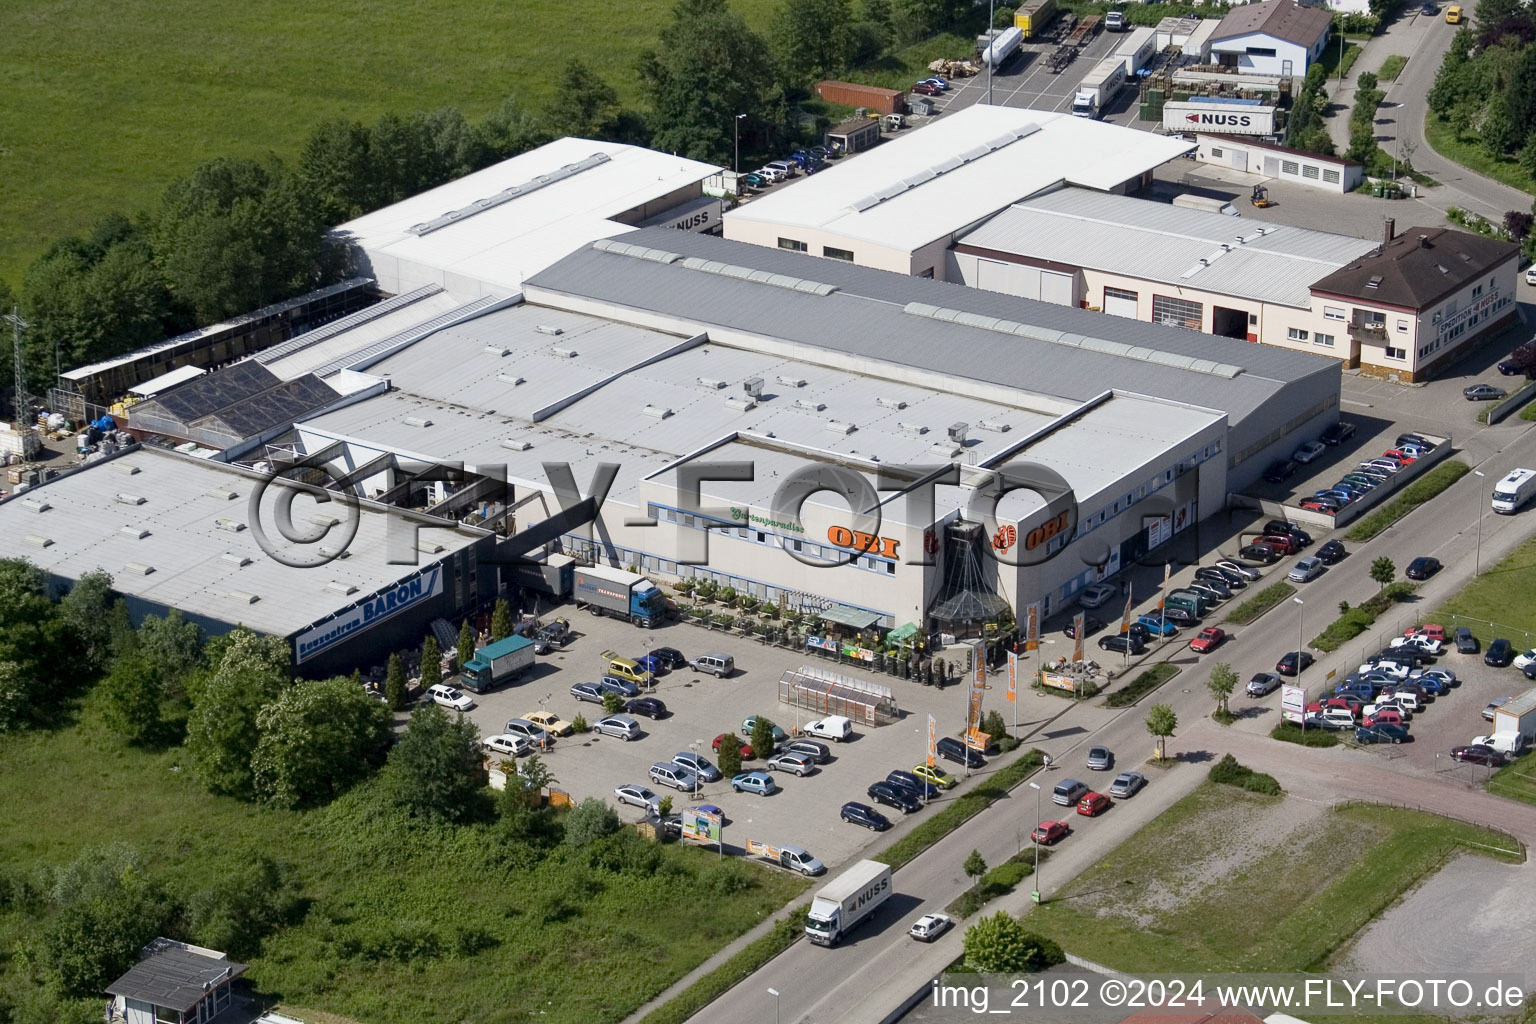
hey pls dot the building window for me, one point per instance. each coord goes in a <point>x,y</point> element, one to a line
<point>1261,51</point>
<point>1309,171</point>
<point>1289,167</point>
<point>1330,175</point>
<point>837,254</point>
<point>1402,325</point>
<point>1368,318</point>
<point>1333,313</point>
<point>890,568</point>
<point>1477,291</point>
<point>1177,312</point>
<point>790,243</point>
<point>1396,353</point>
<point>1119,293</point>
<point>1253,319</point>
<point>1326,340</point>
<point>1296,334</point>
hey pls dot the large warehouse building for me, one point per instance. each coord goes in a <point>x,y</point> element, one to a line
<point>901,205</point>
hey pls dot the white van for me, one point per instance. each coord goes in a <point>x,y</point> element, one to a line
<point>834,727</point>
<point>716,664</point>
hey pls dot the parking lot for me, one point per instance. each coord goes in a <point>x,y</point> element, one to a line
<point>700,707</point>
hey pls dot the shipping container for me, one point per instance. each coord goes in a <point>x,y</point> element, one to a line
<point>1214,114</point>
<point>851,94</point>
<point>1034,15</point>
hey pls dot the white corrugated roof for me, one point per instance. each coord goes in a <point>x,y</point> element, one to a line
<point>319,355</point>
<point>166,381</point>
<point>1119,235</point>
<point>950,174</point>
<point>506,241</point>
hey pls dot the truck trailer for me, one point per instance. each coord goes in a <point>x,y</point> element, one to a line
<point>1004,45</point>
<point>1101,85</point>
<point>1137,50</point>
<point>497,663</point>
<point>621,594</point>
<point>1517,720</point>
<point>1034,15</point>
<point>847,902</point>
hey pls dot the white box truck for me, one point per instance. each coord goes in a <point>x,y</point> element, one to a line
<point>1137,49</point>
<point>847,902</point>
<point>1513,491</point>
<point>1516,719</point>
<point>1103,84</point>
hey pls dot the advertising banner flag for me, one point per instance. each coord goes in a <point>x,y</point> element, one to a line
<point>978,684</point>
<point>933,741</point>
<point>1032,631</point>
<point>1079,626</point>
<point>1013,677</point>
<point>1162,593</point>
<point>1125,620</point>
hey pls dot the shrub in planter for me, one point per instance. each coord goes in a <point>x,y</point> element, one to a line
<point>726,595</point>
<point>724,621</point>
<point>707,590</point>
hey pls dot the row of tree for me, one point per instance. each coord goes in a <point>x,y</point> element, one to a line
<point>1486,87</point>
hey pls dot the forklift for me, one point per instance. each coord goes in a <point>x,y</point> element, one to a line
<point>1260,197</point>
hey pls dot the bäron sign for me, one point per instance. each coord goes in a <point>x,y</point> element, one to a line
<point>376,609</point>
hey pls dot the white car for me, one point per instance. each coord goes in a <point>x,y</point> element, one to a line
<point>930,926</point>
<point>450,697</point>
<point>1309,451</point>
<point>1095,594</point>
<point>1419,642</point>
<point>1401,707</point>
<point>638,796</point>
<point>1522,660</point>
<point>1386,668</point>
<point>512,746</point>
<point>1247,572</point>
<point>1530,274</point>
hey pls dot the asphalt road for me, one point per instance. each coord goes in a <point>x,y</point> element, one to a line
<point>866,979</point>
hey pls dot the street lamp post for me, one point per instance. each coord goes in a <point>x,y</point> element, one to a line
<point>694,746</point>
<point>1036,894</point>
<point>650,680</point>
<point>1477,563</point>
<point>1300,632</point>
<point>991,17</point>
<point>775,993</point>
<point>736,163</point>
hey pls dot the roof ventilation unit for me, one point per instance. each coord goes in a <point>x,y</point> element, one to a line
<point>660,412</point>
<point>839,427</point>
<point>126,468</point>
<point>498,350</point>
<point>235,559</point>
<point>945,449</point>
<point>128,499</point>
<point>430,547</point>
<point>231,525</point>
<point>741,403</point>
<point>37,541</point>
<point>341,587</point>
<point>996,426</point>
<point>753,386</point>
<point>891,403</point>
<point>138,568</point>
<point>337,553</point>
<point>550,329</point>
<point>914,429</point>
<point>516,444</point>
<point>417,421</point>
<point>810,403</point>
<point>244,596</point>
<point>324,519</point>
<point>957,432</point>
<point>710,382</point>
<point>226,493</point>
<point>136,532</point>
<point>790,381</point>
<point>35,505</point>
<point>510,378</point>
<point>564,352</point>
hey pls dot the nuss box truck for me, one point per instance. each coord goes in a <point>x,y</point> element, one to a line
<point>1103,84</point>
<point>605,591</point>
<point>497,663</point>
<point>847,902</point>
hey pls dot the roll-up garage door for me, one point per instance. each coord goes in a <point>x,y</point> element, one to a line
<point>1056,287</point>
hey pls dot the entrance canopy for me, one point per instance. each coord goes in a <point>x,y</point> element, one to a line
<point>853,618</point>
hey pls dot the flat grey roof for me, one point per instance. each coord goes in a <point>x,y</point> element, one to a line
<point>187,519</point>
<point>175,976</point>
<point>1097,231</point>
<point>863,314</point>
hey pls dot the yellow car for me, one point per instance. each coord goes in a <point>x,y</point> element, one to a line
<point>550,723</point>
<point>935,775</point>
<point>1453,15</point>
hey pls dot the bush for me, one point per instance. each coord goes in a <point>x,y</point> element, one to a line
<point>579,724</point>
<point>1228,772</point>
<point>589,821</point>
<point>1357,620</point>
<point>1260,603</point>
<point>1290,732</point>
<point>1142,685</point>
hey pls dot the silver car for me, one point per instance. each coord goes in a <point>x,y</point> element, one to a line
<point>1262,683</point>
<point>620,726</point>
<point>1127,784</point>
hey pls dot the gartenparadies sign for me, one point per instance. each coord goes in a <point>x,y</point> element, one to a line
<point>1226,118</point>
<point>332,632</point>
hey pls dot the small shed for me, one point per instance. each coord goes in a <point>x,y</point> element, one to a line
<point>832,693</point>
<point>174,983</point>
<point>854,135</point>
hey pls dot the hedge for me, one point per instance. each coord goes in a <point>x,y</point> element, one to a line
<point>1258,604</point>
<point>1142,685</point>
<point>1290,732</point>
<point>1415,494</point>
<point>1361,617</point>
<point>1229,773</point>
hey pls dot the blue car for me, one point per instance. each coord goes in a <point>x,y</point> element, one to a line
<point>1157,625</point>
<point>652,664</point>
<point>1431,684</point>
<point>919,788</point>
<point>613,684</point>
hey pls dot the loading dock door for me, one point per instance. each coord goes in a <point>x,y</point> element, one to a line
<point>1119,304</point>
<point>1056,287</point>
<point>1229,323</point>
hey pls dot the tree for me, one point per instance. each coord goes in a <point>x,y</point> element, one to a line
<point>1222,682</point>
<point>222,730</point>
<point>589,821</point>
<point>998,944</point>
<point>711,67</point>
<point>87,618</point>
<point>173,646</point>
<point>501,621</point>
<point>876,11</point>
<point>431,662</point>
<point>975,865</point>
<point>612,703</point>
<point>394,683</point>
<point>32,639</point>
<point>317,740</point>
<point>1383,571</point>
<point>131,696</point>
<point>511,130</point>
<point>813,38</point>
<point>466,650</point>
<point>665,807</point>
<point>521,810</point>
<point>336,170</point>
<point>1161,722</point>
<point>1517,223</point>
<point>762,737</point>
<point>916,19</point>
<point>434,771</point>
<point>584,105</point>
<point>242,907</point>
<point>730,755</point>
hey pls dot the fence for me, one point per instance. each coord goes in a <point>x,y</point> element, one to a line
<point>1509,406</point>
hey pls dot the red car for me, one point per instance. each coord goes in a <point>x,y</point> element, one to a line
<point>1429,630</point>
<point>747,753</point>
<point>927,90</point>
<point>1398,455</point>
<point>1210,638</point>
<point>1317,707</point>
<point>1386,716</point>
<point>1284,545</point>
<point>1093,805</point>
<point>1049,832</point>
<point>1313,505</point>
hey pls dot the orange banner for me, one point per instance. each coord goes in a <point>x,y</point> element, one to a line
<point>1013,678</point>
<point>1079,626</point>
<point>933,741</point>
<point>1125,620</point>
<point>1032,631</point>
<point>1162,593</point>
<point>978,684</point>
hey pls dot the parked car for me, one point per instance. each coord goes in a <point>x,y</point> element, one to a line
<point>1285,545</point>
<point>864,815</point>
<point>1327,506</point>
<point>1127,784</point>
<point>1509,367</point>
<point>924,790</point>
<point>1499,653</point>
<point>549,722</point>
<point>1263,683</point>
<point>1286,528</point>
<point>1331,553</point>
<point>450,697</point>
<point>651,665</point>
<point>674,775</point>
<point>1466,643</point>
<point>1096,594</point>
<point>1049,833</point>
<point>618,726</point>
<point>956,752</point>
<point>1309,451</point>
<point>749,724</point>
<point>1068,792</point>
<point>1124,643</point>
<point>1156,624</point>
<point>623,687</point>
<point>1446,677</point>
<point>638,796</point>
<point>1483,393</point>
<point>1419,441</point>
<point>746,751</point>
<point>1337,433</point>
<point>1524,658</point>
<point>1232,580</point>
<point>1478,753</point>
<point>506,743</point>
<point>1262,553</point>
<point>818,752</point>
<point>754,180</point>
<point>1218,590</point>
<point>1493,706</point>
<point>1247,572</point>
<point>1280,471</point>
<point>534,734</point>
<point>892,795</point>
<point>1100,759</point>
<point>760,783</point>
<point>1294,663</point>
<point>670,657</point>
<point>799,765</point>
<point>1209,639</point>
<point>1417,642</point>
<point>1093,805</point>
<point>1422,568</point>
<point>1360,481</point>
<point>700,765</point>
<point>927,90</point>
<point>589,692</point>
<point>937,83</point>
<point>1406,457</point>
<point>1180,617</point>
<point>650,707</point>
<point>930,926</point>
<point>1381,734</point>
<point>1306,569</point>
<point>934,775</point>
<point>1090,625</point>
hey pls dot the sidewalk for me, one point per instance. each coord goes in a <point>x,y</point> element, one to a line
<point>1401,37</point>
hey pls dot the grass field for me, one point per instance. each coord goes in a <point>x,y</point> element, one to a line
<point>1516,780</point>
<point>105,104</point>
<point>1500,602</point>
<point>407,923</point>
<point>1442,138</point>
<point>1195,890</point>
